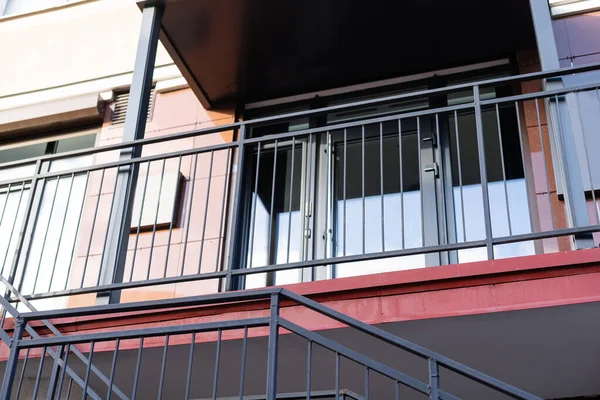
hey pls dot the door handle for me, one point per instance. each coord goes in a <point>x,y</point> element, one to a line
<point>432,168</point>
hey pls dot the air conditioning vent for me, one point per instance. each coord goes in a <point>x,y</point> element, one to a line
<point>120,107</point>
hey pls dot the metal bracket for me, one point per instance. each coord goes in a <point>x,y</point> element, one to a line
<point>433,168</point>
<point>431,139</point>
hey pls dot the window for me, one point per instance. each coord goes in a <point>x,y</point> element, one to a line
<point>58,211</point>
<point>14,7</point>
<point>373,187</point>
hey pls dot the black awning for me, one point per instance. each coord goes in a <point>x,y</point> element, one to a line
<point>251,50</point>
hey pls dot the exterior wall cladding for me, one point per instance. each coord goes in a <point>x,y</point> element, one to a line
<point>527,318</point>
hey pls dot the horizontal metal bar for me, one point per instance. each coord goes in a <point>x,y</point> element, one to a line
<point>361,257</point>
<point>352,124</point>
<point>410,347</point>
<point>140,160</point>
<point>126,285</point>
<point>313,112</point>
<point>144,333</point>
<point>226,297</point>
<point>541,95</point>
<point>545,235</point>
<point>354,356</point>
<point>315,263</point>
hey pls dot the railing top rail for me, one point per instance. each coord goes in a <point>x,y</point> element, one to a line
<point>209,299</point>
<point>408,346</point>
<point>306,113</point>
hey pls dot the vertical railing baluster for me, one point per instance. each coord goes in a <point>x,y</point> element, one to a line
<point>172,218</point>
<point>271,212</point>
<point>434,380</point>
<point>63,371</point>
<point>255,200</point>
<point>522,146</point>
<point>273,343</point>
<point>108,229</point>
<point>337,376</point>
<point>188,215</point>
<point>487,219</point>
<point>160,185</point>
<point>89,246</point>
<point>367,384</point>
<point>24,239</point>
<point>544,165</point>
<point>222,230</point>
<point>308,369</point>
<point>235,238</point>
<point>188,380</point>
<point>20,385</point>
<point>54,375</point>
<point>421,197</point>
<point>139,223</point>
<point>400,171</point>
<point>460,177</point>
<point>60,235</point>
<point>84,393</point>
<point>362,159</point>
<point>206,206</point>
<point>163,368</point>
<point>344,183</point>
<point>381,184</point>
<point>69,389</point>
<point>243,363</point>
<point>289,233</point>
<point>113,368</point>
<point>38,378</point>
<point>503,170</point>
<point>217,365</point>
<point>138,367</point>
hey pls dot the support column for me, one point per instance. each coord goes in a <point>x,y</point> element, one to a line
<point>560,125</point>
<point>135,126</point>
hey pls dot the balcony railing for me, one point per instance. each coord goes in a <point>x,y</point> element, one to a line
<point>468,172</point>
<point>230,358</point>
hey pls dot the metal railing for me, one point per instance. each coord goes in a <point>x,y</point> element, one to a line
<point>480,176</point>
<point>198,360</point>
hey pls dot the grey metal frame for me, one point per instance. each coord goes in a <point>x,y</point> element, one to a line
<point>274,297</point>
<point>234,262</point>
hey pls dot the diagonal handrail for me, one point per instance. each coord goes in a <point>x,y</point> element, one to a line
<point>76,378</point>
<point>411,347</point>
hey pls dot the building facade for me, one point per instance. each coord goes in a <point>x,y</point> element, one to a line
<point>243,199</point>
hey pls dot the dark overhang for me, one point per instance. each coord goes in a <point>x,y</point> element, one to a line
<point>252,50</point>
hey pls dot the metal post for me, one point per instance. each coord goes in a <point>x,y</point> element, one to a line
<point>13,359</point>
<point>135,126</point>
<point>272,356</point>
<point>434,380</point>
<point>560,125</point>
<point>235,239</point>
<point>487,219</point>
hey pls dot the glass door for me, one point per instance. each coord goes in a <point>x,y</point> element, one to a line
<point>384,195</point>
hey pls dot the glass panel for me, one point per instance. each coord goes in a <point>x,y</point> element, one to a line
<point>73,144</point>
<point>20,153</point>
<point>507,197</point>
<point>277,238</point>
<point>398,210</point>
